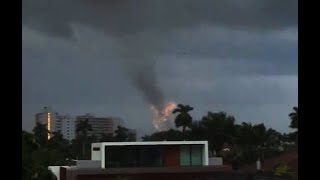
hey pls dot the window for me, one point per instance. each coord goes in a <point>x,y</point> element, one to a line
<point>133,156</point>
<point>96,149</point>
<point>190,155</point>
<point>120,156</point>
<point>150,156</point>
<point>185,158</point>
<point>196,155</point>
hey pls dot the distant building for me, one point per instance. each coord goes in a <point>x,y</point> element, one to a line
<point>100,125</point>
<point>55,122</point>
<point>66,125</point>
<point>47,118</point>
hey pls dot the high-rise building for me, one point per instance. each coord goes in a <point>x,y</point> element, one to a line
<point>100,125</point>
<point>55,122</point>
<point>66,125</point>
<point>47,118</point>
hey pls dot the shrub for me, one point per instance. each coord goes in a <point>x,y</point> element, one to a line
<point>282,169</point>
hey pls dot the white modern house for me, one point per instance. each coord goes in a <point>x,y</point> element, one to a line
<point>151,154</point>
<point>141,159</point>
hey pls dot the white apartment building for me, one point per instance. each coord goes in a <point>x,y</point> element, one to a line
<point>101,125</point>
<point>56,122</point>
<point>66,125</point>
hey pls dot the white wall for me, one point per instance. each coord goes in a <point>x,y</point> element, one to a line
<point>215,161</point>
<point>55,170</point>
<point>205,154</point>
<point>96,155</point>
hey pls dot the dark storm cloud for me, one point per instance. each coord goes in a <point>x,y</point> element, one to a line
<point>192,51</point>
<point>242,47</point>
<point>56,17</point>
<point>123,17</point>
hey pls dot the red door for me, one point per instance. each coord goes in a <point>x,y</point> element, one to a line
<point>171,156</point>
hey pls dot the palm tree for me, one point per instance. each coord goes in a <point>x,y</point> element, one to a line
<point>82,131</point>
<point>121,134</point>
<point>294,123</point>
<point>294,118</point>
<point>183,119</point>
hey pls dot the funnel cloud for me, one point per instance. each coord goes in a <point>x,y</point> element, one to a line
<point>229,55</point>
<point>125,19</point>
<point>139,63</point>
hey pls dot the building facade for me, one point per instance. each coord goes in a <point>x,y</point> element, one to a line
<point>47,117</point>
<point>151,154</point>
<point>66,125</point>
<point>100,125</point>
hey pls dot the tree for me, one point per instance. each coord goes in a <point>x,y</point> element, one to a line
<point>197,132</point>
<point>294,123</point>
<point>41,133</point>
<point>260,139</point>
<point>107,138</point>
<point>218,129</point>
<point>259,134</point>
<point>183,119</point>
<point>29,144</point>
<point>61,146</point>
<point>273,138</point>
<point>170,135</point>
<point>123,134</point>
<point>82,129</point>
<point>35,164</point>
<point>294,118</point>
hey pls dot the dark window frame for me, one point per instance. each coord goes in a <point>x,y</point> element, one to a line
<point>96,149</point>
<point>190,155</point>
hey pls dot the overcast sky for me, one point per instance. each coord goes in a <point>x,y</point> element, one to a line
<point>235,56</point>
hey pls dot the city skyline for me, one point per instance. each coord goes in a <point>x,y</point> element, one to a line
<point>66,124</point>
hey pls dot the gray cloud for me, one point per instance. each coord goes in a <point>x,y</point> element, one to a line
<point>124,16</point>
<point>84,56</point>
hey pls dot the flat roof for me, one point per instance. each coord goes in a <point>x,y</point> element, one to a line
<point>150,143</point>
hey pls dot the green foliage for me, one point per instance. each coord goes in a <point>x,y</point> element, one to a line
<point>36,158</point>
<point>38,152</point>
<point>248,141</point>
<point>282,169</point>
<point>170,135</point>
<point>183,119</point>
<point>107,138</point>
<point>123,134</point>
<point>41,133</point>
<point>294,118</point>
<point>218,128</point>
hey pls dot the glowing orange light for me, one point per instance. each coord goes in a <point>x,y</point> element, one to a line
<point>49,125</point>
<point>161,115</point>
